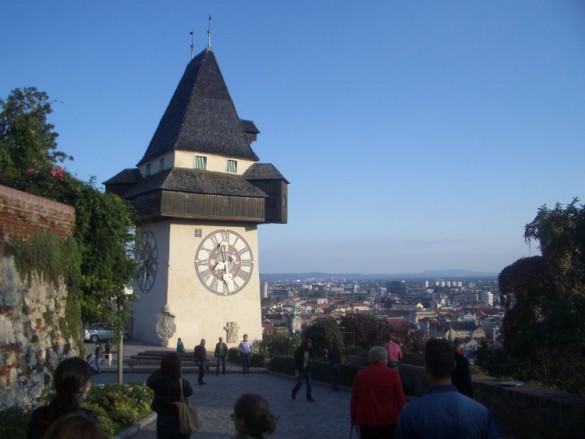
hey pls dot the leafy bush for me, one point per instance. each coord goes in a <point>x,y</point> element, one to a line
<point>106,423</point>
<point>283,345</point>
<point>323,333</point>
<point>13,423</point>
<point>118,406</point>
<point>257,360</point>
<point>233,355</point>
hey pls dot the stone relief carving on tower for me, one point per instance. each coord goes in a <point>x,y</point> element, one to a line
<point>231,330</point>
<point>165,325</point>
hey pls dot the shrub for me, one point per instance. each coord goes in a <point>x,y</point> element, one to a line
<point>283,345</point>
<point>118,406</point>
<point>323,333</point>
<point>106,423</point>
<point>233,355</point>
<point>257,360</point>
<point>13,423</point>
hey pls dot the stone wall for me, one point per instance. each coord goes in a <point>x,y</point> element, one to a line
<point>519,412</point>
<point>23,215</point>
<point>32,315</point>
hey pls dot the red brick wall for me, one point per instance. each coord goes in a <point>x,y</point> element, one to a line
<point>24,215</point>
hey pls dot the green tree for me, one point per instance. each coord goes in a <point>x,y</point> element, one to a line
<point>28,146</point>
<point>323,333</point>
<point>104,230</point>
<point>368,331</point>
<point>544,298</point>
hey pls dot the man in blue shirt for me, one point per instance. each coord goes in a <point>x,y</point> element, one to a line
<point>444,412</point>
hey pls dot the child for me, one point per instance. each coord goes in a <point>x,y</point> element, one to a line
<point>252,417</point>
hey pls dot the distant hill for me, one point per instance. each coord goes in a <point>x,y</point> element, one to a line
<point>453,274</point>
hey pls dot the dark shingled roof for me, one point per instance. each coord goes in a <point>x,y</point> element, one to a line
<point>196,181</point>
<point>263,171</point>
<point>249,126</point>
<point>127,176</point>
<point>201,116</point>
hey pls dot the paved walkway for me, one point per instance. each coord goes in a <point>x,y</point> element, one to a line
<point>326,418</point>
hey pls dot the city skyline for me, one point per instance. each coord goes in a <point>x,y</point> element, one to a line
<point>415,137</point>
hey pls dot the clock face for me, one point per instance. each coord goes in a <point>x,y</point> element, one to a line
<point>224,262</point>
<point>147,255</point>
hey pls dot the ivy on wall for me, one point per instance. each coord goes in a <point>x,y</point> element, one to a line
<point>55,261</point>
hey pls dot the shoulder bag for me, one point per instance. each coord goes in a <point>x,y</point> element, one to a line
<point>188,417</point>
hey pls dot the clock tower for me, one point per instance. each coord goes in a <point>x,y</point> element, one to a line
<point>200,194</point>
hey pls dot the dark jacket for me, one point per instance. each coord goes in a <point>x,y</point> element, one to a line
<point>39,422</point>
<point>462,375</point>
<point>300,358</point>
<point>200,354</point>
<point>166,391</point>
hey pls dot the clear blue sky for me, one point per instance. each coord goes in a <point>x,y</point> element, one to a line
<point>415,134</point>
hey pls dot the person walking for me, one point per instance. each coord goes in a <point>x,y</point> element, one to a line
<point>109,353</point>
<point>443,412</point>
<point>303,358</point>
<point>167,384</point>
<point>221,351</point>
<point>394,353</point>
<point>98,356</point>
<point>245,352</point>
<point>333,356</point>
<point>201,360</point>
<point>376,397</point>
<point>71,381</point>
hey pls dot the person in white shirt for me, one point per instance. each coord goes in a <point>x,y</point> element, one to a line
<point>245,351</point>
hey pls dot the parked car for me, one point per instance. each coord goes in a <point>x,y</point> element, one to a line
<point>101,332</point>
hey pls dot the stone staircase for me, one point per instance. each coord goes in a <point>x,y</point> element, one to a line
<point>148,361</point>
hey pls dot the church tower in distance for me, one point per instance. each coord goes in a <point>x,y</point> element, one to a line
<point>200,194</point>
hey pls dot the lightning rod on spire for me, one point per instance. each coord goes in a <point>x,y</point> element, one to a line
<point>209,33</point>
<point>192,45</point>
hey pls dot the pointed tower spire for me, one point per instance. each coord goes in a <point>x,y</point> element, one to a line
<point>201,116</point>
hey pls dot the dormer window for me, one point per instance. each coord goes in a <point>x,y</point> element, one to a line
<point>148,170</point>
<point>200,162</point>
<point>232,166</point>
<point>161,164</point>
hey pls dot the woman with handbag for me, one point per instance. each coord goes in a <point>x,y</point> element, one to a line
<point>169,388</point>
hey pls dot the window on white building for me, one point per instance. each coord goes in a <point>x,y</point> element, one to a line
<point>200,162</point>
<point>232,166</point>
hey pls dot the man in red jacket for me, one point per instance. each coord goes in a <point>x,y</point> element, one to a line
<point>376,397</point>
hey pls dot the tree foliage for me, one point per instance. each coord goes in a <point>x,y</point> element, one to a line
<point>367,330</point>
<point>544,298</point>
<point>323,333</point>
<point>28,144</point>
<point>29,161</point>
